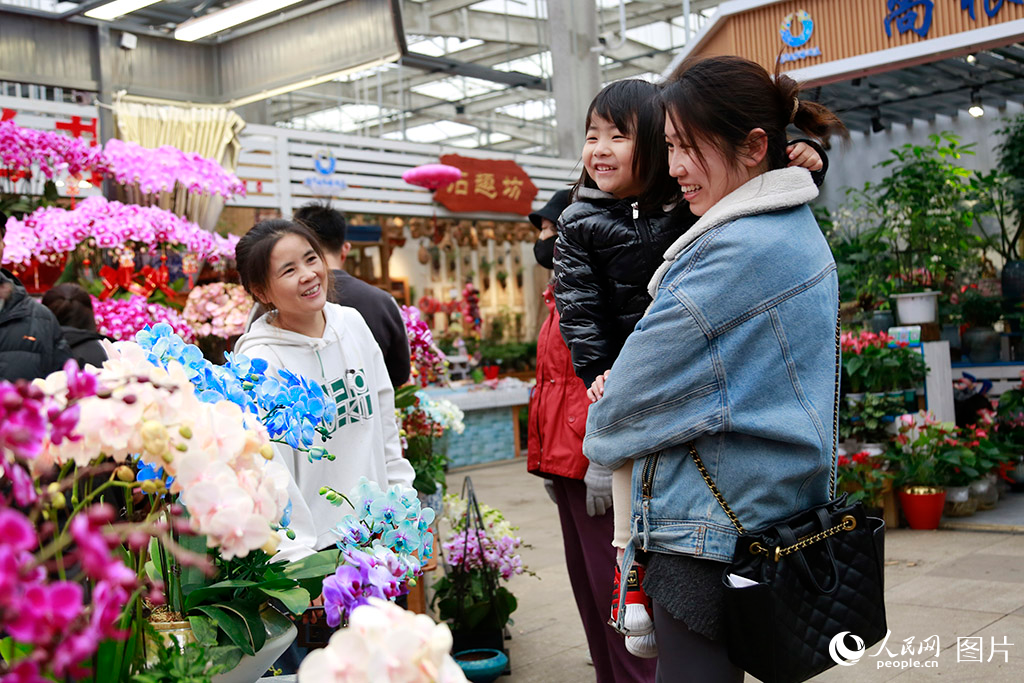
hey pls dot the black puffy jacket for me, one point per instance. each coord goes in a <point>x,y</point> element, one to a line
<point>605,254</point>
<point>31,343</point>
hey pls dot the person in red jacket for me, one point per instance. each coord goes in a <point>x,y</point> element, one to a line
<point>558,421</point>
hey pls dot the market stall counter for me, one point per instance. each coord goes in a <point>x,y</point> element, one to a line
<point>491,418</point>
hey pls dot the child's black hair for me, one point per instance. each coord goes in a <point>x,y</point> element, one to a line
<point>634,107</point>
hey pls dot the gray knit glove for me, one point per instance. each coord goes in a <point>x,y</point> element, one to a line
<point>549,486</point>
<point>598,480</point>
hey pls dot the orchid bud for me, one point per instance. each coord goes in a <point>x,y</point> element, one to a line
<point>150,486</point>
<point>270,547</point>
<point>267,451</point>
<point>167,457</point>
<point>129,399</point>
<point>181,447</point>
<point>124,473</point>
<point>137,540</point>
<point>185,431</point>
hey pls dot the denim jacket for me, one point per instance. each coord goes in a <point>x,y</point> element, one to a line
<point>736,354</point>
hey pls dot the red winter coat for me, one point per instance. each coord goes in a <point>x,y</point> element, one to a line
<point>558,406</point>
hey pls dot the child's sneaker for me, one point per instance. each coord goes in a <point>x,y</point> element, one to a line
<point>643,646</point>
<point>637,621</point>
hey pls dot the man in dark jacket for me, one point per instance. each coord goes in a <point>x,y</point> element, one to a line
<point>31,343</point>
<point>378,308</point>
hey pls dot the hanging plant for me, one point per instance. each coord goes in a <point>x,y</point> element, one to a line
<point>502,278</point>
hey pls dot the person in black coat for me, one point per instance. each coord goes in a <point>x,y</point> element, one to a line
<point>31,342</point>
<point>378,308</point>
<point>73,308</point>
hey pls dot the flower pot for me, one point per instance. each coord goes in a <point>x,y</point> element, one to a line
<point>1017,473</point>
<point>982,344</point>
<point>959,502</point>
<point>280,634</point>
<point>482,665</point>
<point>922,506</point>
<point>881,321</point>
<point>917,308</point>
<point>985,493</point>
<point>853,401</point>
<point>910,400</point>
<point>168,634</point>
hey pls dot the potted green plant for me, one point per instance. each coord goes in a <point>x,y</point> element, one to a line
<point>425,421</point>
<point>922,216</point>
<point>979,312</point>
<point>1011,223</point>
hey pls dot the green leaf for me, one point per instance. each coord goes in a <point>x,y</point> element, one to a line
<point>225,656</point>
<point>11,650</point>
<point>315,566</point>
<point>214,592</point>
<point>204,629</point>
<point>241,623</point>
<point>295,599</point>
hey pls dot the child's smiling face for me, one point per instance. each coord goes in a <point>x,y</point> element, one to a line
<point>608,158</point>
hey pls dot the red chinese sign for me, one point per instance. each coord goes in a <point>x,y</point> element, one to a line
<point>487,185</point>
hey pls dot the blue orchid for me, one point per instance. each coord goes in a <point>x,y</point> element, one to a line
<point>404,539</point>
<point>294,409</point>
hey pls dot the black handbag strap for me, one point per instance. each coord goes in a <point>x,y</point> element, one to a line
<point>780,552</point>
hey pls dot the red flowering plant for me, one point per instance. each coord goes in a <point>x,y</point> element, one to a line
<point>1008,420</point>
<point>928,452</point>
<point>868,362</point>
<point>862,476</point>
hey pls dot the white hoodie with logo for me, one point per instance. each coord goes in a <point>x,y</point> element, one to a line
<point>349,366</point>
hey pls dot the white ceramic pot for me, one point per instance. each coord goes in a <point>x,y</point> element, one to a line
<point>251,668</point>
<point>917,308</point>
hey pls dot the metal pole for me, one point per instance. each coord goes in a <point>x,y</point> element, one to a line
<point>686,22</point>
<point>380,103</point>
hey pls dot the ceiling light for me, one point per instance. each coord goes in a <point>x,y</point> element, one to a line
<point>118,8</point>
<point>221,20</point>
<point>876,121</point>
<point>976,110</point>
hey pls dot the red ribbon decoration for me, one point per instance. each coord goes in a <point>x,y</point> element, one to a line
<point>155,278</point>
<point>120,278</point>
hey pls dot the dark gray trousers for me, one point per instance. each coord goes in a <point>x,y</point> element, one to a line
<point>685,656</point>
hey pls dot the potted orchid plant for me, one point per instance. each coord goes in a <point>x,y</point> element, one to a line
<point>480,554</point>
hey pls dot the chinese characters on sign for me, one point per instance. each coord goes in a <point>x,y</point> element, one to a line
<point>992,7</point>
<point>971,649</point>
<point>487,185</point>
<point>905,15</point>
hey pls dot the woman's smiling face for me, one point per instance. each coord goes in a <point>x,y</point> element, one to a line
<point>703,185</point>
<point>298,277</point>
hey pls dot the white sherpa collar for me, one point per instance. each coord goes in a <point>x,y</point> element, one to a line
<point>771,191</point>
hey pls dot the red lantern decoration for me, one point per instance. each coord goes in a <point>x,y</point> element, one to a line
<point>432,176</point>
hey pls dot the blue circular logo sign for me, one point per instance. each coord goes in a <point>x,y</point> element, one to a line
<point>796,28</point>
<point>324,162</point>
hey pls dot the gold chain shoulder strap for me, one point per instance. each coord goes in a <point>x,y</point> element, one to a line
<point>781,552</point>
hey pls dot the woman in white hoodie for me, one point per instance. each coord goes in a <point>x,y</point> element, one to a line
<point>281,264</point>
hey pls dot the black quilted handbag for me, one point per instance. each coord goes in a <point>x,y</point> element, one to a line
<point>809,578</point>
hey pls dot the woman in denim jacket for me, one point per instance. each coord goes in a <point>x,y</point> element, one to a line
<point>736,354</point>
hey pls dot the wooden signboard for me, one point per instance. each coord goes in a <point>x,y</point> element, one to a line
<point>487,185</point>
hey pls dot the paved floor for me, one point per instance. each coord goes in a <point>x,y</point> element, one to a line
<point>948,584</point>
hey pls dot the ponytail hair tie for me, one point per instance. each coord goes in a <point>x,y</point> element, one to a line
<point>796,107</point>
